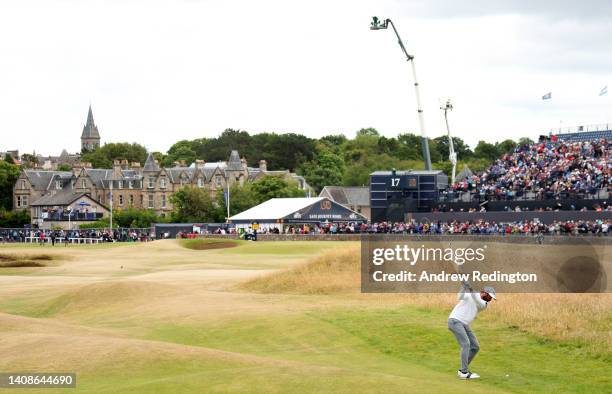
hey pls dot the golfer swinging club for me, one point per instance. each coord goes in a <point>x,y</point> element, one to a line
<point>459,323</point>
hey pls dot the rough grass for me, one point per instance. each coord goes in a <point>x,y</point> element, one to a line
<point>582,318</point>
<point>337,271</point>
<point>15,261</point>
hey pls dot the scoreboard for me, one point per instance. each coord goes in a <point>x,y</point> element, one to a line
<point>394,194</point>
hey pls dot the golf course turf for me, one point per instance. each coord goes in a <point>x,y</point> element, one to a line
<point>167,317</point>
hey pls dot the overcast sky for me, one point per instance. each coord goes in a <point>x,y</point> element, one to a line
<point>159,71</point>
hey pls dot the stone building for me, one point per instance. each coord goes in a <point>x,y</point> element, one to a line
<point>51,195</point>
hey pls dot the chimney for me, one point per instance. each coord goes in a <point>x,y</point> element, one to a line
<point>86,164</point>
<point>116,169</point>
<point>124,164</point>
<point>263,165</point>
<point>176,164</point>
<point>77,166</point>
<point>135,165</point>
<point>199,164</point>
<point>183,163</point>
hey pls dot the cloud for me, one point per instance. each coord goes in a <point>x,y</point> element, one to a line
<point>548,9</point>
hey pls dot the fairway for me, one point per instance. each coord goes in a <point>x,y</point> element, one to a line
<point>171,316</point>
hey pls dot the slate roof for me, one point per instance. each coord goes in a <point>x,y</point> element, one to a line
<point>40,179</point>
<point>234,163</point>
<point>150,164</point>
<point>348,195</point>
<point>61,197</point>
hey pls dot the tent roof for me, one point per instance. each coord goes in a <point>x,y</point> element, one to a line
<point>276,208</point>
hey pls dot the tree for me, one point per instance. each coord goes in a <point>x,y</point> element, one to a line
<point>370,132</point>
<point>64,167</point>
<point>8,176</point>
<point>182,150</point>
<point>462,150</point>
<point>192,204</point>
<point>325,170</point>
<point>275,187</point>
<point>241,199</point>
<point>487,151</point>
<point>525,141</point>
<point>28,160</point>
<point>506,146</point>
<point>104,156</point>
<point>14,219</point>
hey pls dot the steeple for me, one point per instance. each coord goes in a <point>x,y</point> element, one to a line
<point>90,138</point>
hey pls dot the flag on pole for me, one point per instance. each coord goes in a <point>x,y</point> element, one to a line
<point>604,91</point>
<point>547,96</point>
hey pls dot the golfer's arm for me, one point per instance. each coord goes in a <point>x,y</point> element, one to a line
<point>480,303</point>
<point>461,294</point>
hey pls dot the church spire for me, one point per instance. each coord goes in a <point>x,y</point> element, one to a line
<point>90,119</point>
<point>90,139</point>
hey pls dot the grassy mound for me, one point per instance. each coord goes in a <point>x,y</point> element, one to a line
<point>336,271</point>
<point>206,244</point>
<point>14,261</point>
<point>93,298</point>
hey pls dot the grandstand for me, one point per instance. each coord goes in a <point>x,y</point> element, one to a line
<point>569,170</point>
<point>583,133</point>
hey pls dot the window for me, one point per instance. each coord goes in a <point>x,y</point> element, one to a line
<point>22,201</point>
<point>141,200</point>
<point>121,199</point>
<point>131,200</point>
<point>83,183</point>
<point>200,182</point>
<point>131,184</point>
<point>150,181</point>
<point>183,181</point>
<point>23,184</point>
<point>163,201</point>
<point>120,184</point>
<point>58,185</point>
<point>162,183</point>
<point>151,201</point>
<point>218,180</point>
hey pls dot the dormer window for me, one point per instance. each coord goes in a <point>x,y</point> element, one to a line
<point>23,184</point>
<point>83,183</point>
<point>131,184</point>
<point>218,180</point>
<point>150,181</point>
<point>58,185</point>
<point>200,182</point>
<point>120,184</point>
<point>162,183</point>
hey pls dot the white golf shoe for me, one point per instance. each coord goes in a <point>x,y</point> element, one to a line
<point>467,375</point>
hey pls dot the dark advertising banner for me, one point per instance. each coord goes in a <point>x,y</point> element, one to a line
<point>397,264</point>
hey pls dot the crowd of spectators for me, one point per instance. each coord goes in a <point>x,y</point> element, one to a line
<point>526,227</point>
<point>75,236</point>
<point>545,170</point>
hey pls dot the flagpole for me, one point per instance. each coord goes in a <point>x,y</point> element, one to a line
<point>111,207</point>
<point>228,202</point>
